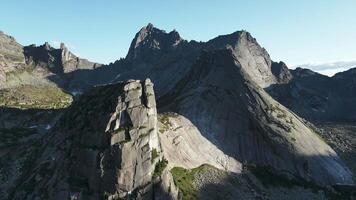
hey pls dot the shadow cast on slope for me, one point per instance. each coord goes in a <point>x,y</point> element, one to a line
<point>263,183</point>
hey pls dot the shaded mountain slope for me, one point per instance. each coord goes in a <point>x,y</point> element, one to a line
<point>241,119</point>
<point>317,97</point>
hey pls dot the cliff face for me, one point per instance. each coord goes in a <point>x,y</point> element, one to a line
<point>11,56</point>
<point>105,146</point>
<point>57,61</point>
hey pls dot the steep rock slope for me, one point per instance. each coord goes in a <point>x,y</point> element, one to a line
<point>11,56</point>
<point>184,146</point>
<point>102,148</point>
<point>241,119</point>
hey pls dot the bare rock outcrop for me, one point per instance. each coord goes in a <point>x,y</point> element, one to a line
<point>281,72</point>
<point>184,145</point>
<point>57,61</point>
<point>105,147</point>
<point>11,56</point>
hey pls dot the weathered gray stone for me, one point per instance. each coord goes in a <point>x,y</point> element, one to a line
<point>118,138</point>
<point>113,150</point>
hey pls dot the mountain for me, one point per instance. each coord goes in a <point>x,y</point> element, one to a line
<point>57,61</point>
<point>15,56</point>
<point>317,97</point>
<point>330,69</point>
<point>165,58</point>
<point>25,72</point>
<point>174,119</point>
<point>241,119</point>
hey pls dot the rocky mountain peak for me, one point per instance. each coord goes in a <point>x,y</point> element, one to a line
<point>56,60</point>
<point>281,72</point>
<point>62,46</point>
<point>47,46</point>
<point>150,40</point>
<point>252,57</point>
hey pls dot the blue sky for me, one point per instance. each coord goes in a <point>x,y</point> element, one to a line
<point>297,32</point>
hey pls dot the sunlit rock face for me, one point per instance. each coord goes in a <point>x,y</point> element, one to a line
<point>102,147</point>
<point>242,120</point>
<point>11,56</point>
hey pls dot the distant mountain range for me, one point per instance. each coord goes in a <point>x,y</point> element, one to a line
<point>174,119</point>
<point>331,68</point>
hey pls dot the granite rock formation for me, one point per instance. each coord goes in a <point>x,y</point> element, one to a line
<point>105,141</point>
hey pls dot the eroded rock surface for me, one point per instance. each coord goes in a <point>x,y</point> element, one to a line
<point>105,143</point>
<point>184,146</point>
<point>11,56</point>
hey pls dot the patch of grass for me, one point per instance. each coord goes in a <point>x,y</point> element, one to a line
<point>160,166</point>
<point>276,109</point>
<point>30,96</point>
<point>184,180</point>
<point>164,119</point>
<point>281,115</point>
<point>154,154</point>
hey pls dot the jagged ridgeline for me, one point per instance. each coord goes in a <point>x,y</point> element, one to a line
<point>24,72</point>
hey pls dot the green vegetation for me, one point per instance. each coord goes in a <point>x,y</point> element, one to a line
<point>290,121</point>
<point>164,119</point>
<point>184,179</point>
<point>281,115</point>
<point>154,154</point>
<point>160,166</point>
<point>30,96</point>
